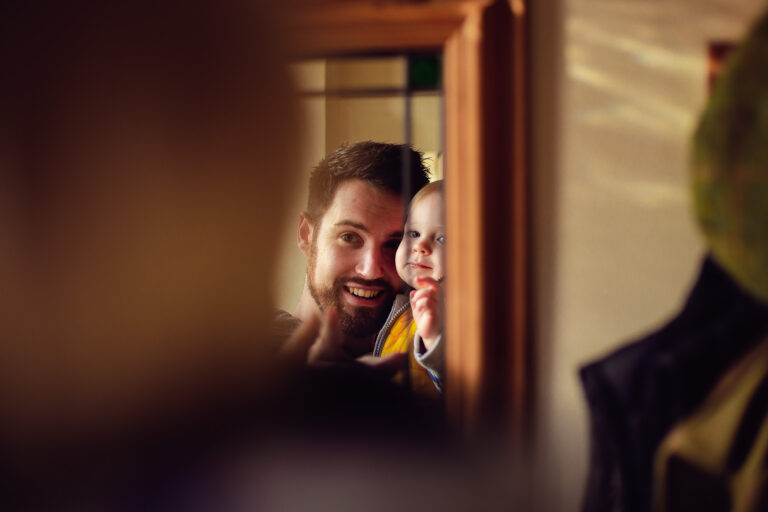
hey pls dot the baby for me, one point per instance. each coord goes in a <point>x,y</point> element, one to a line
<point>414,324</point>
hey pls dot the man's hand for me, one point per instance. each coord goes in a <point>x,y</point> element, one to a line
<point>426,304</point>
<point>319,344</point>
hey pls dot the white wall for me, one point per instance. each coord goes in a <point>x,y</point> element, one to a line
<point>618,86</point>
<point>289,277</point>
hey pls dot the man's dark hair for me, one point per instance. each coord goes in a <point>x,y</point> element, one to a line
<point>397,168</point>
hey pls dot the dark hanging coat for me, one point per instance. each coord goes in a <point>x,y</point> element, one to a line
<point>639,392</point>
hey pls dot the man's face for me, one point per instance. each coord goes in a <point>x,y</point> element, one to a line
<point>351,260</point>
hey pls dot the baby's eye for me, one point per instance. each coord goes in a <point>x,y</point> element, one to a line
<point>350,238</point>
<point>440,239</point>
<point>413,234</point>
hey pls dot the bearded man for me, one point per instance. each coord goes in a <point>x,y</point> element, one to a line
<point>350,232</point>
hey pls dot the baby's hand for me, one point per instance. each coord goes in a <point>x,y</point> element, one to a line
<point>426,304</point>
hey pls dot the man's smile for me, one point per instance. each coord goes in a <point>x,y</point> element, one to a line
<point>362,292</point>
<point>361,295</point>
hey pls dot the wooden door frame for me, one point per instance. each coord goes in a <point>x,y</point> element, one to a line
<point>485,95</point>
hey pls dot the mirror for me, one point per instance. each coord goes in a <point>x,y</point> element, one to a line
<point>482,49</point>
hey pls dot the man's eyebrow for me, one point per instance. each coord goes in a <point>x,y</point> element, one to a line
<point>351,224</point>
<point>361,227</point>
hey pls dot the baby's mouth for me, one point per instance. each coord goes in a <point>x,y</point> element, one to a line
<point>419,265</point>
<point>363,293</point>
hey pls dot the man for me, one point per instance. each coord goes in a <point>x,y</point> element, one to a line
<point>350,233</point>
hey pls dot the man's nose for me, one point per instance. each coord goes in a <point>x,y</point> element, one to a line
<point>371,264</point>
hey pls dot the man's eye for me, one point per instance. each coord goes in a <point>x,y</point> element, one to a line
<point>440,239</point>
<point>413,234</point>
<point>350,238</point>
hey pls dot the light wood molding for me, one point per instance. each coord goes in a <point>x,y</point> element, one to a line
<point>363,28</point>
<point>485,94</point>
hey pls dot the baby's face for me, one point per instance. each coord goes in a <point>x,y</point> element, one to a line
<point>420,253</point>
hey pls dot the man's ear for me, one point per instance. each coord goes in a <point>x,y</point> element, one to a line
<point>304,234</point>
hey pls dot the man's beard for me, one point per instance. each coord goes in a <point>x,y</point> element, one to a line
<point>355,321</point>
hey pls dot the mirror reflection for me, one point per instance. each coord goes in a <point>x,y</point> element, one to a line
<point>374,130</point>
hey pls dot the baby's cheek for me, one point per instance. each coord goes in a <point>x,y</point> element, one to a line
<point>438,269</point>
<point>400,261</point>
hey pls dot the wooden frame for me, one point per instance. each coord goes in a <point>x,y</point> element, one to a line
<point>483,45</point>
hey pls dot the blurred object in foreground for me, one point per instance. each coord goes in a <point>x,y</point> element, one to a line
<point>145,152</point>
<point>679,417</point>
<point>717,53</point>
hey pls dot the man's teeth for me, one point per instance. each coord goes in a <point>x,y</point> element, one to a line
<point>366,294</point>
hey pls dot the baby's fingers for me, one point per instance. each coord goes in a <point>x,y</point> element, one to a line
<point>426,283</point>
<point>424,300</point>
<point>430,293</point>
